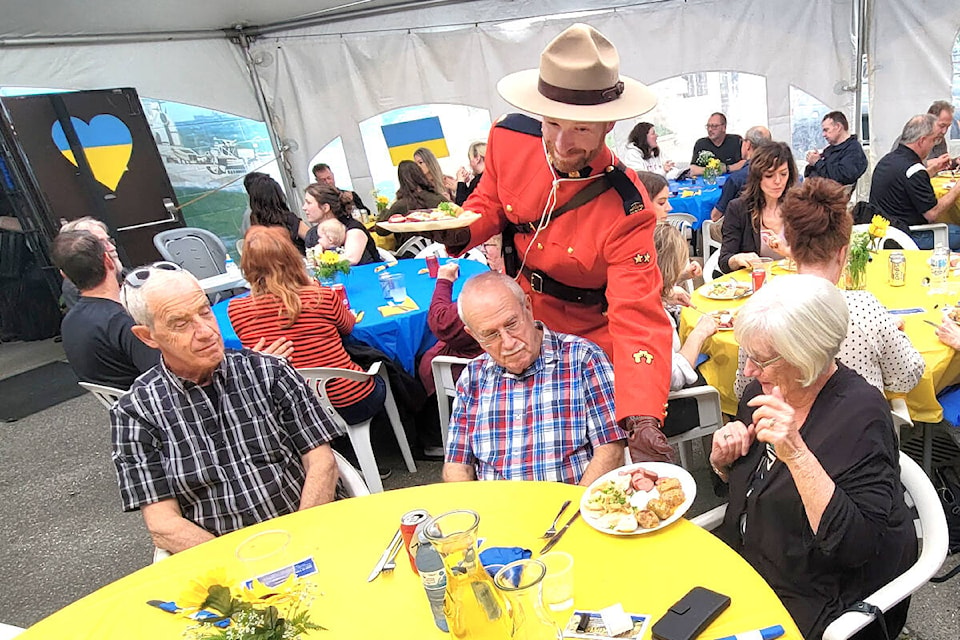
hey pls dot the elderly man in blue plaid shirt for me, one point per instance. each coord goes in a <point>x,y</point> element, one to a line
<point>209,441</point>
<point>538,405</point>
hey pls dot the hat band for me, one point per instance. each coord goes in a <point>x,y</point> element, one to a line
<point>579,96</point>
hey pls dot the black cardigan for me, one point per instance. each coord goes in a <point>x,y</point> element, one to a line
<point>739,234</point>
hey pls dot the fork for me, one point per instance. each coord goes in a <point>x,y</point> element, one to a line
<point>552,531</point>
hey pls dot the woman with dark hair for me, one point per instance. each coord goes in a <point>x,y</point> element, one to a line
<point>268,207</point>
<point>816,227</point>
<point>443,184</point>
<point>285,302</point>
<point>415,192</point>
<point>322,202</point>
<point>752,224</point>
<point>643,154</point>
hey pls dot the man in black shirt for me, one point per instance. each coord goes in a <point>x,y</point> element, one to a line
<point>725,148</point>
<point>350,200</point>
<point>843,160</point>
<point>901,186</point>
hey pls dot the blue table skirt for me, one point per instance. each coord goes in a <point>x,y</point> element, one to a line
<point>402,337</point>
<point>699,205</point>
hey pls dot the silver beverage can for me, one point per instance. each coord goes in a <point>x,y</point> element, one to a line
<point>898,269</point>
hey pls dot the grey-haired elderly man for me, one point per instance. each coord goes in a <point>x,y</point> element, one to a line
<point>901,186</point>
<point>211,441</point>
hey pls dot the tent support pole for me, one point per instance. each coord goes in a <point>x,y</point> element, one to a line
<point>862,11</point>
<point>279,148</point>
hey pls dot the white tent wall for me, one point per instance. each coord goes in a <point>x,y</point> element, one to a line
<point>321,84</point>
<point>910,63</point>
<point>206,72</point>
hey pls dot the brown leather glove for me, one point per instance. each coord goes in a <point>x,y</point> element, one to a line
<point>646,440</point>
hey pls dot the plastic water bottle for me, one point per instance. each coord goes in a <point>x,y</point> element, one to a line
<point>939,265</point>
<point>230,265</point>
<point>434,577</point>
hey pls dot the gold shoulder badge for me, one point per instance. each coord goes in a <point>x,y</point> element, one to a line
<point>636,206</point>
<point>641,258</point>
<point>641,356</point>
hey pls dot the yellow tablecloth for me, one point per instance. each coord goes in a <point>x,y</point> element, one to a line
<point>645,573</point>
<point>942,369</point>
<point>940,187</point>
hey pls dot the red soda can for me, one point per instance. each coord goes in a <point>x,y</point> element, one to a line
<point>408,525</point>
<point>433,265</point>
<point>759,275</point>
<point>341,292</point>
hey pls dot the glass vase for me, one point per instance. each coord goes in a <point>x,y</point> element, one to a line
<point>710,176</point>
<point>473,606</point>
<point>521,582</point>
<point>328,280</point>
<point>853,280</point>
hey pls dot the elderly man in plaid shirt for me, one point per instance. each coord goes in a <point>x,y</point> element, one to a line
<point>537,405</point>
<point>209,441</point>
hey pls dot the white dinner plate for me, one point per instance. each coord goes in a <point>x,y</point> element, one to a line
<point>726,290</point>
<point>640,499</point>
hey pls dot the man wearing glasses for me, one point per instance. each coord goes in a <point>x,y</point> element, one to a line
<point>210,441</point>
<point>537,405</point>
<point>725,148</point>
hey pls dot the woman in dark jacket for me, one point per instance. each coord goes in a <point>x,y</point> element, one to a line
<point>751,224</point>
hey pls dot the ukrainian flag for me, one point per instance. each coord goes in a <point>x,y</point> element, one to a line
<point>106,142</point>
<point>403,138</point>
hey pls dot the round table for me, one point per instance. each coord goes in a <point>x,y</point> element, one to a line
<point>646,573</point>
<point>695,197</point>
<point>402,337</point>
<point>942,367</point>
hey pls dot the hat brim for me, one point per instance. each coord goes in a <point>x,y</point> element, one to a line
<point>520,90</point>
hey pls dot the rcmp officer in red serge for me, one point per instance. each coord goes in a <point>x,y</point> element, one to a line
<point>578,231</point>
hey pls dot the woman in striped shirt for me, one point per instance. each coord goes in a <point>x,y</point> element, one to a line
<point>286,302</point>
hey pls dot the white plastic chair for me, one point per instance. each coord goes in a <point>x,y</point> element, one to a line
<point>359,434</point>
<point>446,389</point>
<point>707,243</point>
<point>106,395</point>
<point>934,539</point>
<point>683,222</point>
<point>941,232</point>
<point>931,531</point>
<point>413,246</point>
<point>350,478</point>
<point>432,249</point>
<point>893,234</point>
<point>711,265</point>
<point>710,419</point>
<point>386,256</point>
<point>197,250</point>
<point>9,631</point>
<point>901,416</point>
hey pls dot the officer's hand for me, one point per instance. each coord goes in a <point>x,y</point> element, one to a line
<point>646,440</point>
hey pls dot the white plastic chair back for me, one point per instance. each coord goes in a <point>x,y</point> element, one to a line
<point>711,265</point>
<point>412,246</point>
<point>708,244</point>
<point>359,434</point>
<point>941,232</point>
<point>350,478</point>
<point>106,395</point>
<point>934,538</point>
<point>434,249</point>
<point>446,389</point>
<point>683,222</point>
<point>893,234</point>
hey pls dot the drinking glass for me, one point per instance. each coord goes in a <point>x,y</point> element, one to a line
<point>398,288</point>
<point>558,585</point>
<point>264,556</point>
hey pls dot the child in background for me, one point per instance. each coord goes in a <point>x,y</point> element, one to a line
<point>331,234</point>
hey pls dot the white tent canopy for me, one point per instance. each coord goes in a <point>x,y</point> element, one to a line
<point>319,68</point>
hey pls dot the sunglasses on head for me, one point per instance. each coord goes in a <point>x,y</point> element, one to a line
<point>138,276</point>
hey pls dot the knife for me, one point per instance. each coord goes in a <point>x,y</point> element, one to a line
<point>391,550</point>
<point>560,533</point>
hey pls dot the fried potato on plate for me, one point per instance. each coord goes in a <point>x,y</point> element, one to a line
<point>660,508</point>
<point>673,498</point>
<point>647,519</point>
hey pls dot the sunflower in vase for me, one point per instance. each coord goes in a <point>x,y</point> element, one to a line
<point>329,264</point>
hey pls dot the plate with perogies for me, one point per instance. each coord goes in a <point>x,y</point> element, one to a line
<point>638,498</point>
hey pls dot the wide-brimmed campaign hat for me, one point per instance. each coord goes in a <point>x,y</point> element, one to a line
<point>578,79</point>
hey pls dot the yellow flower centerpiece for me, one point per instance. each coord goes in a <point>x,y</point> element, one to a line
<point>382,201</point>
<point>260,612</point>
<point>862,244</point>
<point>329,264</point>
<point>711,170</point>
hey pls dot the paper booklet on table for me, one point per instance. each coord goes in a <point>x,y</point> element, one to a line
<point>588,625</point>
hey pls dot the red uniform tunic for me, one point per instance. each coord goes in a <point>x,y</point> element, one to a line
<point>592,246</point>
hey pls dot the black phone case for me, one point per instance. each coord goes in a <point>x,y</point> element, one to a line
<point>690,615</point>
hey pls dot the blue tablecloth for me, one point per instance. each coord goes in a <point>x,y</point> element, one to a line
<point>402,337</point>
<point>699,205</point>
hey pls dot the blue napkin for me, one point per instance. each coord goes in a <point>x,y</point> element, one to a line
<point>493,558</point>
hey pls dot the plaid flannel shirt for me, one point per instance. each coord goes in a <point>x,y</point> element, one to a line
<point>540,425</point>
<point>231,453</point>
